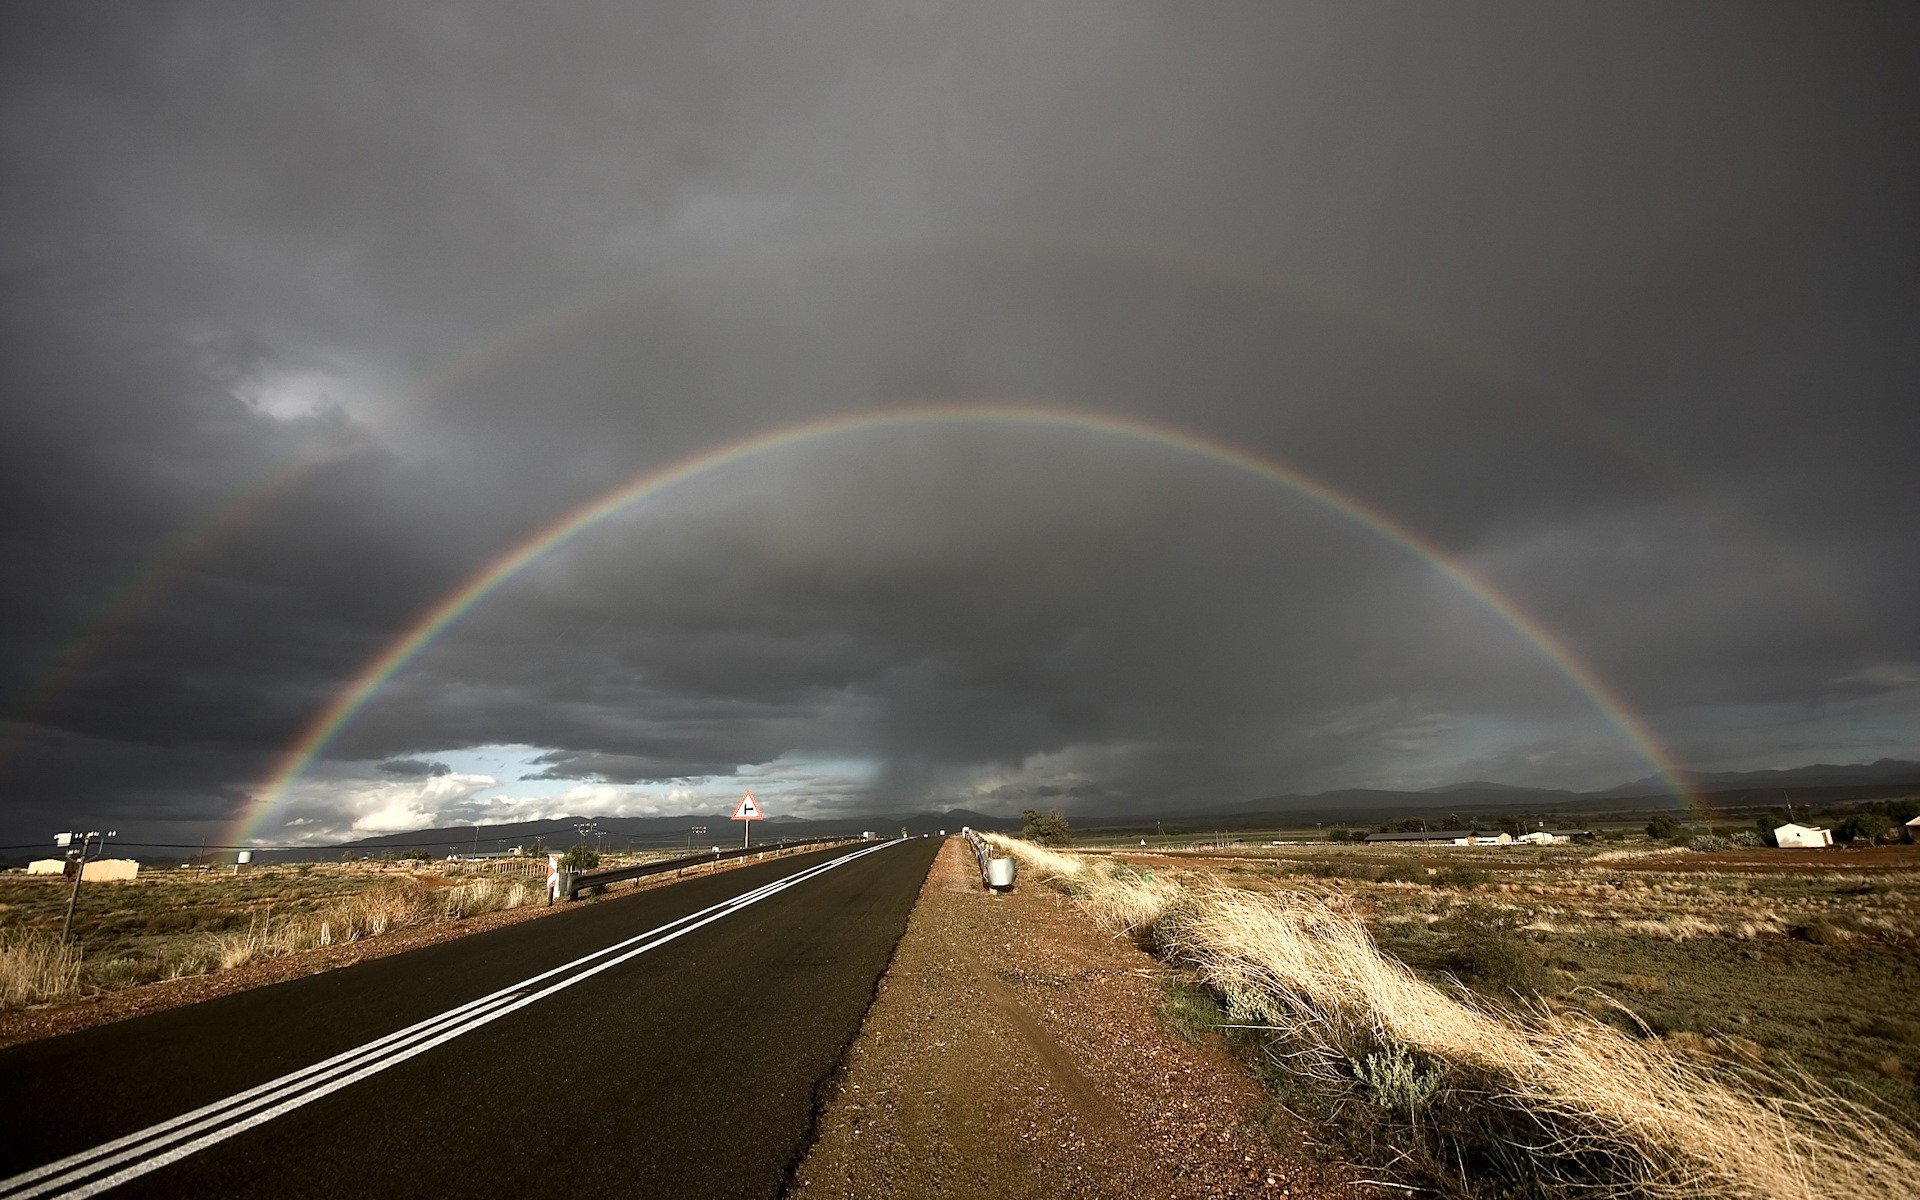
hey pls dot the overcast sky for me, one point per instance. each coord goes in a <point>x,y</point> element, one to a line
<point>312,311</point>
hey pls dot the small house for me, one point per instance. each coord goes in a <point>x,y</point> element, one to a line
<point>1802,837</point>
<point>110,870</point>
<point>47,866</point>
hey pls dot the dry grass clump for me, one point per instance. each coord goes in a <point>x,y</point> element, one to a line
<point>371,913</point>
<point>1478,1099</point>
<point>36,967</point>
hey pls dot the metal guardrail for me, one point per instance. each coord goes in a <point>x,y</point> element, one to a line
<point>996,870</point>
<point>982,853</point>
<point>572,883</point>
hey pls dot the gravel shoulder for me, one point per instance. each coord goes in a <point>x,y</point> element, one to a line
<point>1014,1050</point>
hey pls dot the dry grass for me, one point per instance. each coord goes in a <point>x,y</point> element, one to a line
<point>35,967</point>
<point>1603,1112</point>
<point>393,905</point>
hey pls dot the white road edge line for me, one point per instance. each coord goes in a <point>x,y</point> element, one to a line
<point>436,1030</point>
<point>344,1060</point>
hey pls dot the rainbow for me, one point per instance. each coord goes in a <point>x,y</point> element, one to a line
<point>201,541</point>
<point>450,608</point>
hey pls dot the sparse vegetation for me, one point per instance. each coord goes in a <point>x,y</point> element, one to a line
<point>1468,1095</point>
<point>168,925</point>
<point>35,966</point>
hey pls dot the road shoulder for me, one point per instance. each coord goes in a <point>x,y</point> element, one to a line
<point>1014,1050</point>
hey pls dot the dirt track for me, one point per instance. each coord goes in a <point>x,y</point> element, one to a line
<point>1013,1050</point>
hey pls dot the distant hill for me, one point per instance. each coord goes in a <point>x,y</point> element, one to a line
<point>1817,784</point>
<point>1819,775</point>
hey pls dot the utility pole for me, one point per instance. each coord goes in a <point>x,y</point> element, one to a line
<point>588,831</point>
<point>691,830</point>
<point>79,861</point>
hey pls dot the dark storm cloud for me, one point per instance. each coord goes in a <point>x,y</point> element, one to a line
<point>308,314</point>
<point>411,768</point>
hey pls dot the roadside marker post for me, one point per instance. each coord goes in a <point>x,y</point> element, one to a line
<point>747,812</point>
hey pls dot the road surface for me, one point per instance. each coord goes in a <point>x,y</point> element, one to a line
<point>662,1044</point>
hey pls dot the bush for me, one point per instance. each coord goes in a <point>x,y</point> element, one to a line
<point>580,858</point>
<point>1484,945</point>
<point>1190,1009</point>
<point>1663,827</point>
<point>1049,829</point>
<point>1864,827</point>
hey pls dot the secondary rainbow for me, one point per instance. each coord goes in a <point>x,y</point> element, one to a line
<point>449,609</point>
<point>175,559</point>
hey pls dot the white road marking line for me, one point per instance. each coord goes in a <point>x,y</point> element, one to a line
<point>345,1059</point>
<point>311,1083</point>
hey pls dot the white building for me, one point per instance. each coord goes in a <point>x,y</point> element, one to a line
<point>98,870</point>
<point>1802,837</point>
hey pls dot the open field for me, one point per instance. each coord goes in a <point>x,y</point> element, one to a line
<point>1806,960</point>
<point>167,924</point>
<point>1555,1021</point>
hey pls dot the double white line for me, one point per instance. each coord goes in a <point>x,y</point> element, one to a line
<point>170,1141</point>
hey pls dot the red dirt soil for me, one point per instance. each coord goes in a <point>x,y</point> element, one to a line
<point>1013,1050</point>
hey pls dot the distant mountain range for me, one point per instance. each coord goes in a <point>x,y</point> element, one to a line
<point>666,832</point>
<point>1816,784</point>
<point>1357,805</point>
<point>1885,770</point>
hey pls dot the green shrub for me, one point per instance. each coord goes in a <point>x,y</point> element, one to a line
<point>1484,945</point>
<point>1663,827</point>
<point>1046,829</point>
<point>1191,1010</point>
<point>1864,827</point>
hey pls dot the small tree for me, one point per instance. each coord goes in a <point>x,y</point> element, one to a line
<point>580,858</point>
<point>1864,827</point>
<point>1663,828</point>
<point>1049,829</point>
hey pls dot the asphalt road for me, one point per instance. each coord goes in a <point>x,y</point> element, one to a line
<point>662,1044</point>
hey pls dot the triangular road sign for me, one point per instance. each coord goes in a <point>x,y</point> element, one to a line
<point>748,809</point>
